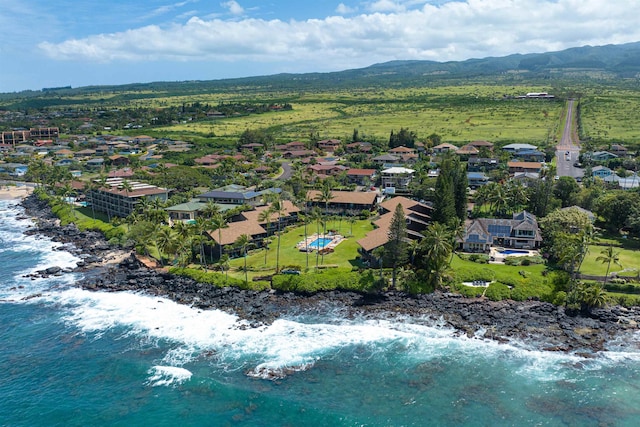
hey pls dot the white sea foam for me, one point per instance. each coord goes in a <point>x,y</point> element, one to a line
<point>167,375</point>
<point>288,345</point>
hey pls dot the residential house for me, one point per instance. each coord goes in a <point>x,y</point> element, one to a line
<point>525,178</point>
<point>95,163</point>
<point>529,156</point>
<point>444,148</point>
<point>467,151</point>
<point>402,150</point>
<point>601,156</point>
<point>365,177</point>
<point>298,154</point>
<point>386,158</point>
<point>521,232</point>
<point>482,145</point>
<point>619,150</point>
<point>482,164</point>
<point>417,217</point>
<point>515,167</point>
<point>477,179</point>
<point>395,180</point>
<point>326,170</point>
<point>118,160</point>
<point>359,147</point>
<point>601,172</point>
<point>514,148</point>
<point>344,202</point>
<point>87,152</point>
<point>328,145</point>
<point>291,146</point>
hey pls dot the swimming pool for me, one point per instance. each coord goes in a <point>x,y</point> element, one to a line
<point>319,243</point>
<point>514,252</point>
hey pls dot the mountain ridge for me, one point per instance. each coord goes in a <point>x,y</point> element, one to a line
<point>612,61</point>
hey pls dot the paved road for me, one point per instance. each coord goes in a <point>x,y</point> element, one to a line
<point>568,150</point>
<point>286,171</point>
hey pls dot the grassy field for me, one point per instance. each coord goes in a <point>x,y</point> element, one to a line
<point>458,114</point>
<point>612,115</point>
<point>629,259</point>
<point>344,256</point>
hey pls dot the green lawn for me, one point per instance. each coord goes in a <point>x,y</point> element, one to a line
<point>630,260</point>
<point>344,256</point>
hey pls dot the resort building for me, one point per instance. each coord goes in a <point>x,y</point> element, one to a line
<point>116,200</point>
<point>253,224</point>
<point>344,202</point>
<point>238,195</point>
<point>520,232</point>
<point>417,216</point>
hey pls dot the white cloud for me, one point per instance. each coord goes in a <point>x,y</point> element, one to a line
<point>386,6</point>
<point>343,9</point>
<point>449,31</point>
<point>233,6</point>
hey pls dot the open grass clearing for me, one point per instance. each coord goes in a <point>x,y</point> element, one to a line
<point>345,255</point>
<point>629,259</point>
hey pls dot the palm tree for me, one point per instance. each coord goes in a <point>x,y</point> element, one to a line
<point>378,253</point>
<point>126,186</point>
<point>351,220</point>
<point>437,248</point>
<point>316,215</point>
<point>278,209</point>
<point>201,226</point>
<point>265,216</point>
<point>243,241</point>
<point>102,183</point>
<point>89,187</point>
<point>167,242</point>
<point>210,210</point>
<point>218,222</point>
<point>608,256</point>
<point>325,196</point>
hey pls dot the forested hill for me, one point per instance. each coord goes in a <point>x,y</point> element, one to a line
<point>608,62</point>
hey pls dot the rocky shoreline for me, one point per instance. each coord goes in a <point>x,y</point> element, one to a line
<point>538,323</point>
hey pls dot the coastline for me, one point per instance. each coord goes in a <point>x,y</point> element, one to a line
<point>536,323</point>
<point>15,192</point>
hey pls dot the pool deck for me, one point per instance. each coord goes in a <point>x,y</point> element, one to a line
<point>335,241</point>
<point>497,257</point>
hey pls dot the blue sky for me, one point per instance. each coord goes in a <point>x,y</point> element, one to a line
<point>47,43</point>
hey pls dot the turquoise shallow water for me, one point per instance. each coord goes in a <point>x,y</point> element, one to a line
<point>72,357</point>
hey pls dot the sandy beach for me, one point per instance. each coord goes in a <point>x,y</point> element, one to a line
<point>12,192</point>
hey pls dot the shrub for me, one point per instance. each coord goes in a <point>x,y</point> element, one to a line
<point>326,280</point>
<point>498,291</point>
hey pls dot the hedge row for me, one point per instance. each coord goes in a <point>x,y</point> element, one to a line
<point>218,280</point>
<point>326,280</point>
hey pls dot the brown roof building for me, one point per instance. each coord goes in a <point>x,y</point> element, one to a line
<point>417,215</point>
<point>344,202</point>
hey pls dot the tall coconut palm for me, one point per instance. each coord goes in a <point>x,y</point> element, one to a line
<point>325,196</point>
<point>265,217</point>
<point>167,243</point>
<point>609,256</point>
<point>201,227</point>
<point>278,208</point>
<point>437,248</point>
<point>243,242</point>
<point>89,187</point>
<point>316,216</point>
<point>218,222</point>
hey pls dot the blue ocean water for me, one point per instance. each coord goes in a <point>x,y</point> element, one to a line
<point>73,357</point>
